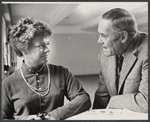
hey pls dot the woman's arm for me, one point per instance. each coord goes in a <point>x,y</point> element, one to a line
<point>78,97</point>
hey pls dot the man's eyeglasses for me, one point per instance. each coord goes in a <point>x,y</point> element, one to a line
<point>43,47</point>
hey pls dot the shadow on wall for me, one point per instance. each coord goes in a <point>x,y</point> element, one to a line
<point>89,83</point>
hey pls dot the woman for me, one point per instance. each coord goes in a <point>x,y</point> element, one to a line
<point>36,91</point>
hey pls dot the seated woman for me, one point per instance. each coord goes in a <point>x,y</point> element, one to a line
<point>36,91</point>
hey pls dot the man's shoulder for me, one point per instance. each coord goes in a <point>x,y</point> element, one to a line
<point>140,44</point>
<point>144,35</point>
<point>143,43</point>
<point>143,38</point>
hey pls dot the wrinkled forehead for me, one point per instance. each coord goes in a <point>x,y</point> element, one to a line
<point>104,26</point>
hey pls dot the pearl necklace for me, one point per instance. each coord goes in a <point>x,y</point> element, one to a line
<point>35,89</point>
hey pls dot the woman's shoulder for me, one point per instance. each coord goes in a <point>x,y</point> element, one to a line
<point>11,78</point>
<point>54,66</point>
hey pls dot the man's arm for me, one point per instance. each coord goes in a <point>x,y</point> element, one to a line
<point>101,95</point>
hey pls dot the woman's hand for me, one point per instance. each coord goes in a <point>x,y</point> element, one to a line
<point>49,117</point>
<point>33,117</point>
<point>40,116</point>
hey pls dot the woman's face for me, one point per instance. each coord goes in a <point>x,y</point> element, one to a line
<point>38,50</point>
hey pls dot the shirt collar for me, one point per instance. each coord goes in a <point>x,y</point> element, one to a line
<point>30,70</point>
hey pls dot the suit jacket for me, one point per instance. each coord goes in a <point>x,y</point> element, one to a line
<point>133,83</point>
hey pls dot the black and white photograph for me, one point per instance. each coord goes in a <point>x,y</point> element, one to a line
<point>74,61</point>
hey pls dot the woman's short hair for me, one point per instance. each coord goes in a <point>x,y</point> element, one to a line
<point>122,20</point>
<point>21,34</point>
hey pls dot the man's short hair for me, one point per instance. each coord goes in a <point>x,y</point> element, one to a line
<point>122,20</point>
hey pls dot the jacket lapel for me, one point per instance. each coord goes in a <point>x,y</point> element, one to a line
<point>128,62</point>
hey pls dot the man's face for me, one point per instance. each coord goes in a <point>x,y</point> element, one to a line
<point>38,50</point>
<point>110,39</point>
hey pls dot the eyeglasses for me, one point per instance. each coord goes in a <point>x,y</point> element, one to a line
<point>43,47</point>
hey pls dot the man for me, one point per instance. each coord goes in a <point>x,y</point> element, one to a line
<point>128,88</point>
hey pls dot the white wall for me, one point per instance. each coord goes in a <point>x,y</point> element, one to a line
<point>77,52</point>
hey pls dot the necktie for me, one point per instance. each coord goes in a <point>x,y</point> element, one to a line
<point>120,60</point>
<point>119,66</point>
